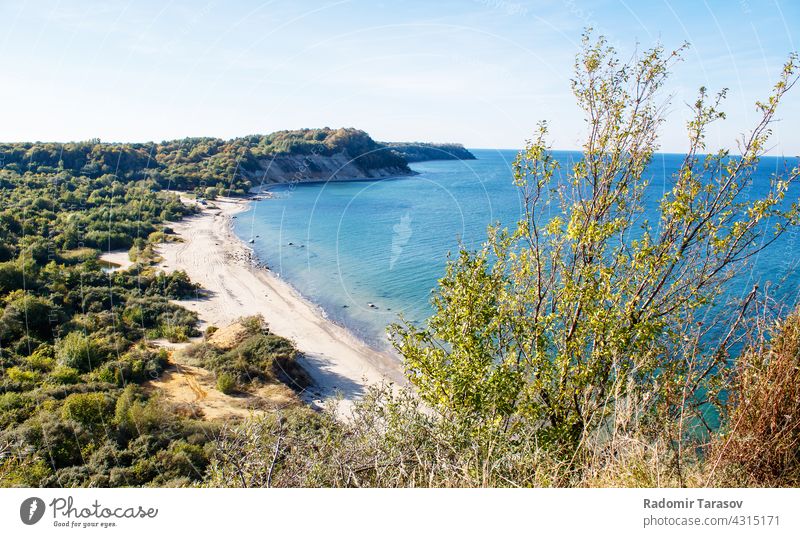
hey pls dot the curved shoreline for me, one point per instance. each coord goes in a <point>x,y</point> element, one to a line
<point>340,364</point>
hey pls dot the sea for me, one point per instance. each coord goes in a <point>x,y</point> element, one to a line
<point>368,251</point>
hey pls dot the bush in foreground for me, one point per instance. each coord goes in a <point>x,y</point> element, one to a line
<point>571,350</point>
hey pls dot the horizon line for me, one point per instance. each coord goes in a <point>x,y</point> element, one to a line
<point>102,142</point>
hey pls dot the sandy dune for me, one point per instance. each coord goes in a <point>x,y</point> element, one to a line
<point>215,258</point>
<point>194,389</point>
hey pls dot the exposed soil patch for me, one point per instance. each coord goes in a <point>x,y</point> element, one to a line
<point>192,391</point>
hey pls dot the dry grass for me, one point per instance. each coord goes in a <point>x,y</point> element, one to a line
<point>229,336</point>
<point>761,446</point>
<point>393,442</point>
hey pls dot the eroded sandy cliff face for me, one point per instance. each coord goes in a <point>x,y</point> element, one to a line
<point>315,167</point>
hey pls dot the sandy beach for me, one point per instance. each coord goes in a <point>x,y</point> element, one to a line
<point>212,256</point>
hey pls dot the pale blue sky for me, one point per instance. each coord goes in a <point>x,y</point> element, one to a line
<point>480,72</point>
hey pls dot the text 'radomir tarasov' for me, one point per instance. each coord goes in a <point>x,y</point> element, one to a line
<point>698,503</point>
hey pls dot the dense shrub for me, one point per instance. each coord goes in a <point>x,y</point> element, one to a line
<point>258,356</point>
<point>226,383</point>
<point>135,414</point>
<point>175,285</point>
<point>15,408</point>
<point>64,375</point>
<point>89,409</point>
<point>11,277</point>
<point>135,366</point>
<point>79,351</point>
<point>59,442</point>
<point>68,328</point>
<point>22,379</point>
<point>42,359</point>
<point>25,314</point>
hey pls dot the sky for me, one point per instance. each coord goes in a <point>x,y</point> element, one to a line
<point>478,72</point>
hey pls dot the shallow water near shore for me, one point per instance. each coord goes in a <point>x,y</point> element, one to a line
<point>366,251</point>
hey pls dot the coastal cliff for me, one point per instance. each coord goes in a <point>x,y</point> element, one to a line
<point>323,155</point>
<point>422,151</point>
<point>306,168</point>
<point>212,166</point>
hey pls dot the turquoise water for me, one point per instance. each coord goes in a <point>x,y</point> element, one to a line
<point>346,245</point>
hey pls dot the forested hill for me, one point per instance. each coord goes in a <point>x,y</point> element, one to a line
<point>229,166</point>
<point>420,151</point>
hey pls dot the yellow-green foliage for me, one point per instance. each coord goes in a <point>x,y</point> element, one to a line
<point>26,472</point>
<point>90,409</point>
<point>64,375</point>
<point>77,255</point>
<point>226,383</point>
<point>42,359</point>
<point>78,351</point>
<point>559,320</point>
<point>26,378</point>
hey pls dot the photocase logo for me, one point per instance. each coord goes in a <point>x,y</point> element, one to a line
<point>402,233</point>
<point>31,511</point>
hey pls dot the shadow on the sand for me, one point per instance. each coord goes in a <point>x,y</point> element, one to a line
<point>201,295</point>
<point>327,383</point>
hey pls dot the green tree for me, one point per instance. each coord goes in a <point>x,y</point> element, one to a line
<point>11,277</point>
<point>27,315</point>
<point>211,192</point>
<point>583,318</point>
